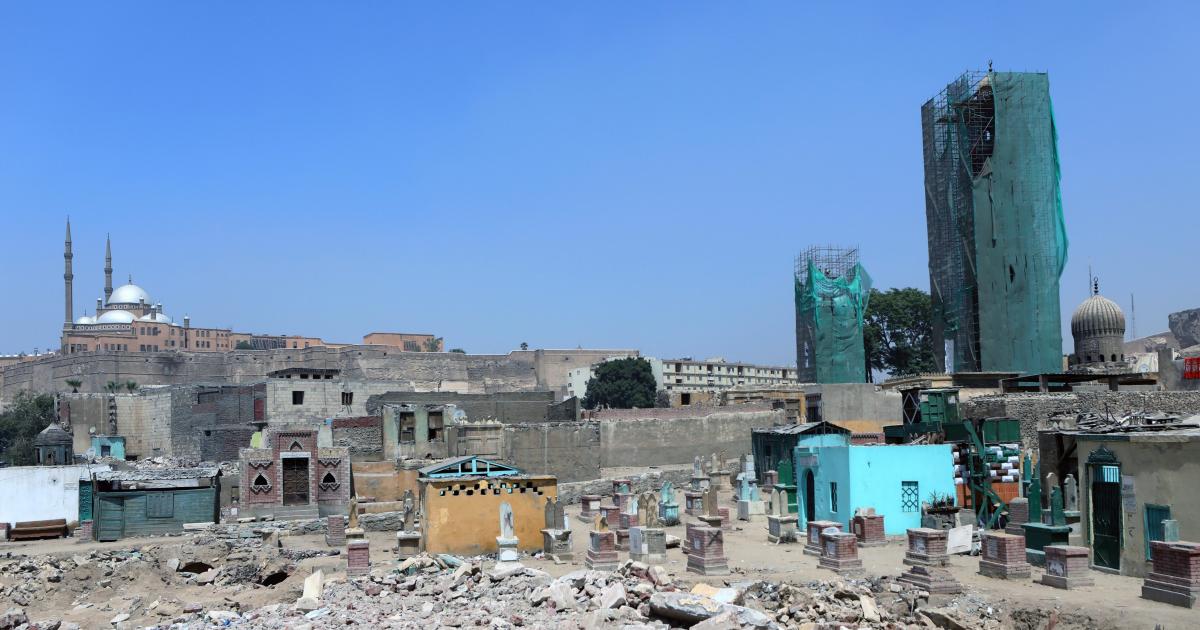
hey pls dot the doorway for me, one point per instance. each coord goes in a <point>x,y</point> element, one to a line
<point>295,481</point>
<point>810,497</point>
<point>1105,474</point>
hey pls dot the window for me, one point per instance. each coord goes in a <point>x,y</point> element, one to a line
<point>1155,515</point>
<point>833,507</point>
<point>408,424</point>
<point>297,397</point>
<point>347,398</point>
<point>910,496</point>
<point>160,505</point>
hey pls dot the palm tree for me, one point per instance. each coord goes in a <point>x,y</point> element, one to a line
<point>131,385</point>
<point>112,387</point>
<point>74,384</point>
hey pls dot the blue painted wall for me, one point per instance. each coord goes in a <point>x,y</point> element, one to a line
<point>115,442</point>
<point>874,476</point>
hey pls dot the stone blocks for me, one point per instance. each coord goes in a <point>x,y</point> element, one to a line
<point>719,480</point>
<point>1018,515</point>
<point>83,533</point>
<point>358,557</point>
<point>335,530</point>
<point>812,545</point>
<point>648,545</point>
<point>602,551</point>
<point>693,502</point>
<point>868,528</point>
<point>1004,556</point>
<point>927,547</point>
<point>750,508</point>
<point>839,552</point>
<point>1175,578</point>
<point>612,514</point>
<point>933,579</point>
<point>706,550</point>
<point>781,528</point>
<point>726,521</point>
<point>1067,567</point>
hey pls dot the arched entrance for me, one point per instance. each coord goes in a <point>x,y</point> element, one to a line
<point>810,497</point>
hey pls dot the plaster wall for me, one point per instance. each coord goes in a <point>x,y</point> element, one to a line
<point>878,474</point>
<point>38,493</point>
<point>679,437</point>
<point>570,451</point>
<point>468,524</point>
<point>1164,470</point>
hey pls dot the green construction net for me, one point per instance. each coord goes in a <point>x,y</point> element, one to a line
<point>997,241</point>
<point>829,325</point>
<point>1020,235</point>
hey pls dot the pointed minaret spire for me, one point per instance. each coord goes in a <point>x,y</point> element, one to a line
<point>107,267</point>
<point>68,276</point>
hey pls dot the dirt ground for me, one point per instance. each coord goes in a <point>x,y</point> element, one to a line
<point>93,594</point>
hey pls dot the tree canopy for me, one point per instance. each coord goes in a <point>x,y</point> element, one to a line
<point>621,384</point>
<point>898,332</point>
<point>19,425</point>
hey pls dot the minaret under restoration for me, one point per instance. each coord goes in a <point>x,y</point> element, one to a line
<point>107,268</point>
<point>68,278</point>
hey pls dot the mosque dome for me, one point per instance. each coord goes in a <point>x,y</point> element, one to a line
<point>1098,315</point>
<point>156,317</point>
<point>116,317</point>
<point>128,294</point>
<point>84,319</point>
<point>53,435</point>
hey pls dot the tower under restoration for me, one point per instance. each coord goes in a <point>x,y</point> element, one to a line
<point>832,291</point>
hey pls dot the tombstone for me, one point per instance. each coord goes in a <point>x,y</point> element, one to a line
<point>700,479</point>
<point>507,541</point>
<point>602,547</point>
<point>648,540</point>
<point>781,526</point>
<point>868,527</point>
<point>706,550</point>
<point>556,536</point>
<point>408,539</point>
<point>839,552</point>
<point>749,501</point>
<point>1038,533</point>
<point>812,545</point>
<point>925,557</point>
<point>1035,500</point>
<point>1057,514</point>
<point>358,557</point>
<point>589,507</point>
<point>1018,515</point>
<point>1174,576</point>
<point>1067,567</point>
<point>335,530</point>
<point>1004,555</point>
<point>1070,494</point>
<point>711,512</point>
<point>668,507</point>
<point>353,531</point>
<point>717,474</point>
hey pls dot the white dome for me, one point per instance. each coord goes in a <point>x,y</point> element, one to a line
<point>128,294</point>
<point>157,317</point>
<point>116,317</point>
<point>84,319</point>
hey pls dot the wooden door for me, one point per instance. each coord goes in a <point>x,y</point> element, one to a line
<point>295,481</point>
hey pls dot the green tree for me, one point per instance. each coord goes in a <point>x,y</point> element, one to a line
<point>19,425</point>
<point>74,384</point>
<point>621,384</point>
<point>243,345</point>
<point>898,332</point>
<point>524,345</point>
<point>131,385</point>
<point>433,344</point>
<point>457,350</point>
<point>112,387</point>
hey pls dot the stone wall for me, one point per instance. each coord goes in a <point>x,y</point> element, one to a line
<point>650,481</point>
<point>570,450</point>
<point>506,407</point>
<point>1033,410</point>
<point>665,436</point>
<point>363,436</point>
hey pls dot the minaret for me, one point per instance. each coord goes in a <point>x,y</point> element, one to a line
<point>107,268</point>
<point>68,276</point>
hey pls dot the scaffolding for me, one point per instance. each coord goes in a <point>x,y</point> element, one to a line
<point>832,291</point>
<point>997,242</point>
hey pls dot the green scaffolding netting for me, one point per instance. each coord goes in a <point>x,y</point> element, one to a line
<point>829,325</point>
<point>997,240</point>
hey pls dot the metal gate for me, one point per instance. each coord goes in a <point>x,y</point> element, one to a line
<point>1105,475</point>
<point>110,518</point>
<point>295,481</point>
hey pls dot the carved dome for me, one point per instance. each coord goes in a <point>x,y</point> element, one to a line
<point>1098,315</point>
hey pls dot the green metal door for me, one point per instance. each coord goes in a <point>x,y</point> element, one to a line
<point>85,501</point>
<point>1106,515</point>
<point>1155,515</point>
<point>110,521</point>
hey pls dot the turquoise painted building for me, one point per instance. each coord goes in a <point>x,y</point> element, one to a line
<point>834,480</point>
<point>109,446</point>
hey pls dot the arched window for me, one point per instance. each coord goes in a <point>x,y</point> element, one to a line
<point>260,481</point>
<point>1114,358</point>
<point>328,478</point>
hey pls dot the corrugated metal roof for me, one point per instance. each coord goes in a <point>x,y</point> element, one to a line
<point>804,427</point>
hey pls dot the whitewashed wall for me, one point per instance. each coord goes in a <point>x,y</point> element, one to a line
<point>36,493</point>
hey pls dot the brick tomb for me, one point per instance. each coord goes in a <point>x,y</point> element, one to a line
<point>1067,567</point>
<point>1175,577</point>
<point>839,552</point>
<point>868,528</point>
<point>706,550</point>
<point>1004,556</point>
<point>812,545</point>
<point>927,547</point>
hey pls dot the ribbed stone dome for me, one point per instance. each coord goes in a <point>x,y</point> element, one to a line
<point>1098,315</point>
<point>52,435</point>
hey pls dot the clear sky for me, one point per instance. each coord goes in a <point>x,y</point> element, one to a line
<point>614,175</point>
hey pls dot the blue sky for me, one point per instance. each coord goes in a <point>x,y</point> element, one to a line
<point>613,175</point>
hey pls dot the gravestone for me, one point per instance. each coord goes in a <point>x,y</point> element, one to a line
<point>706,550</point>
<point>556,536</point>
<point>408,539</point>
<point>700,480</point>
<point>1070,494</point>
<point>648,540</point>
<point>781,526</point>
<point>353,531</point>
<point>602,547</point>
<point>668,506</point>
<point>507,541</point>
<point>712,512</point>
<point>839,552</point>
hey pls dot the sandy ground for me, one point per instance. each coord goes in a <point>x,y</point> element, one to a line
<point>1113,602</point>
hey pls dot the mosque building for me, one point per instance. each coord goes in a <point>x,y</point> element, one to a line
<point>126,319</point>
<point>1098,327</point>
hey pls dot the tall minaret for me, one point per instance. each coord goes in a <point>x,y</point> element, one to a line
<point>68,276</point>
<point>107,268</point>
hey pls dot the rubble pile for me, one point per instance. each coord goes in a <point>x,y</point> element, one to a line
<point>882,603</point>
